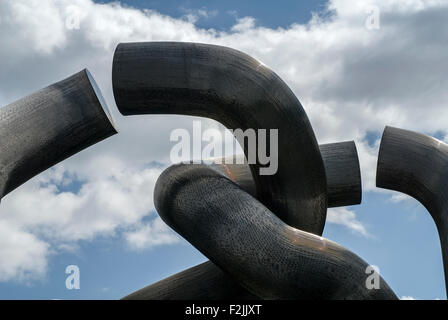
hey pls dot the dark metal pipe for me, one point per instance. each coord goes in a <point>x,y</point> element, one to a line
<point>417,165</point>
<point>241,93</point>
<point>206,281</point>
<point>247,241</point>
<point>343,173</point>
<point>49,126</point>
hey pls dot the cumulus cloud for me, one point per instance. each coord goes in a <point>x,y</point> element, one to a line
<point>350,80</point>
<point>346,218</point>
<point>114,196</point>
<point>23,256</point>
<point>194,16</point>
<point>151,234</point>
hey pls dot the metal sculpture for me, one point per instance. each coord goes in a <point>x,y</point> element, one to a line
<point>261,232</point>
<point>49,126</point>
<point>246,240</point>
<point>417,165</point>
<point>240,92</point>
<point>207,281</point>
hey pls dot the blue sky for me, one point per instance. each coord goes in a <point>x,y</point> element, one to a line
<point>223,13</point>
<point>400,237</point>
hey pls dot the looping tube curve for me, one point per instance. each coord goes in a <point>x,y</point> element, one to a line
<point>417,165</point>
<point>241,93</point>
<point>49,126</point>
<point>208,282</point>
<point>248,242</point>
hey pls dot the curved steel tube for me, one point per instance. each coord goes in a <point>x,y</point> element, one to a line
<point>242,237</point>
<point>241,93</point>
<point>206,281</point>
<point>417,164</point>
<point>49,126</point>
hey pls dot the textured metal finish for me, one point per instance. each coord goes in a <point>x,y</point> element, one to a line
<point>206,281</point>
<point>417,164</point>
<point>49,126</point>
<point>341,166</point>
<point>202,282</point>
<point>343,173</point>
<point>241,93</point>
<point>242,237</point>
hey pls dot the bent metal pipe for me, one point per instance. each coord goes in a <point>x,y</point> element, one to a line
<point>247,241</point>
<point>417,165</point>
<point>206,281</point>
<point>49,126</point>
<point>240,92</point>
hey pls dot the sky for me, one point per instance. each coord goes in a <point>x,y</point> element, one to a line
<point>95,210</point>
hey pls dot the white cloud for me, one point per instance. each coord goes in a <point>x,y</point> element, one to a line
<point>346,218</point>
<point>194,16</point>
<point>400,197</point>
<point>114,196</point>
<point>413,299</point>
<point>151,234</point>
<point>244,24</point>
<point>23,257</point>
<point>350,80</point>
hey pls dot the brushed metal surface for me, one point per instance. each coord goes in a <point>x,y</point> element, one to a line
<point>247,241</point>
<point>417,165</point>
<point>343,172</point>
<point>54,123</point>
<point>206,281</point>
<point>241,93</point>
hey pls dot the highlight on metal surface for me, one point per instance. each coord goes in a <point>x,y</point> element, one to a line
<point>247,241</point>
<point>241,93</point>
<point>342,170</point>
<point>49,126</point>
<point>417,165</point>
